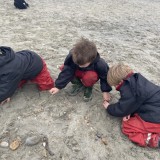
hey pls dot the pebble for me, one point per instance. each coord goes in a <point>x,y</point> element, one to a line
<point>44,153</point>
<point>104,141</point>
<point>99,135</point>
<point>30,141</point>
<point>14,144</point>
<point>4,144</point>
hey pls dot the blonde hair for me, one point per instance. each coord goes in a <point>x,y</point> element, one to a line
<point>117,73</point>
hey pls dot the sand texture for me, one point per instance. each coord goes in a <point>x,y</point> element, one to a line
<point>124,31</point>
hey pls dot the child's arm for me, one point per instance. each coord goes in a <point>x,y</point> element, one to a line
<point>64,77</point>
<point>102,70</point>
<point>106,96</point>
<point>105,104</point>
<point>67,73</point>
<point>124,107</point>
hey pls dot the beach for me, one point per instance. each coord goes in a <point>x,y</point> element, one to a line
<point>123,31</point>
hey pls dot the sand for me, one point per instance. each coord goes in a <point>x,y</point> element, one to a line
<point>124,31</point>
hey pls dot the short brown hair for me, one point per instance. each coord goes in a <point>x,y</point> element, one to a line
<point>84,51</point>
<point>117,73</point>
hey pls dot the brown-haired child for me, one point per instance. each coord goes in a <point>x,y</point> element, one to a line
<point>139,105</point>
<point>83,67</point>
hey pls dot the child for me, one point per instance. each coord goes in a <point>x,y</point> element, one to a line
<point>139,105</point>
<point>17,68</point>
<point>83,67</point>
<point>21,4</point>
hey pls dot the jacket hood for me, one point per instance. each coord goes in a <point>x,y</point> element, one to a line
<point>6,55</point>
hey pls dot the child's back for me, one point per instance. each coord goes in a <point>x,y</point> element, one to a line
<point>23,65</point>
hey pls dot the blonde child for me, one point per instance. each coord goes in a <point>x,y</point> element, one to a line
<point>139,105</point>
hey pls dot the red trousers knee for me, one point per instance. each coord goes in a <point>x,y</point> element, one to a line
<point>141,132</point>
<point>43,79</point>
<point>88,78</point>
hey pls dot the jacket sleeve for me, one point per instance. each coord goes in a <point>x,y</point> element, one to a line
<point>123,108</point>
<point>8,85</point>
<point>102,70</point>
<point>127,104</point>
<point>67,73</point>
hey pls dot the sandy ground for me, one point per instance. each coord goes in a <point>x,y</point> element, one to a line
<point>124,31</point>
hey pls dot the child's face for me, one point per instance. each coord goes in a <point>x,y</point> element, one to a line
<point>85,65</point>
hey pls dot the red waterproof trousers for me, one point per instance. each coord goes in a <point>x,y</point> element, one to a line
<point>141,132</point>
<point>43,79</point>
<point>88,78</point>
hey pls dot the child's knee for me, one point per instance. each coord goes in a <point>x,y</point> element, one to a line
<point>90,78</point>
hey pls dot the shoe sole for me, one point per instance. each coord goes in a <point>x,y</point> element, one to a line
<point>87,99</point>
<point>74,94</point>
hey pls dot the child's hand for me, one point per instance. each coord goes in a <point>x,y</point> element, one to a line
<point>126,118</point>
<point>105,104</point>
<point>106,96</point>
<point>54,90</point>
<point>5,101</point>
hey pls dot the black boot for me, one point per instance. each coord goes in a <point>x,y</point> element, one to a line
<point>76,87</point>
<point>87,94</point>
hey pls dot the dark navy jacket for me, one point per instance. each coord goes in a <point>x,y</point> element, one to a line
<point>14,67</point>
<point>20,4</point>
<point>67,74</point>
<point>138,95</point>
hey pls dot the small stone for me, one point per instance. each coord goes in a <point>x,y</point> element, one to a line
<point>44,144</point>
<point>14,145</point>
<point>44,153</point>
<point>99,135</point>
<point>76,149</point>
<point>30,141</point>
<point>104,140</point>
<point>4,144</point>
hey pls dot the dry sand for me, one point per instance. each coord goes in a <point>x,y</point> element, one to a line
<point>124,31</point>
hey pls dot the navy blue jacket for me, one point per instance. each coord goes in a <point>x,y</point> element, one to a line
<point>98,65</point>
<point>14,67</point>
<point>21,4</point>
<point>138,95</point>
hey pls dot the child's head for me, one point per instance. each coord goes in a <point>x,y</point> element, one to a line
<point>117,73</point>
<point>84,52</point>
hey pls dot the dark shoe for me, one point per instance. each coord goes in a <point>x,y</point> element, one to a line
<point>76,81</point>
<point>76,88</point>
<point>87,94</point>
